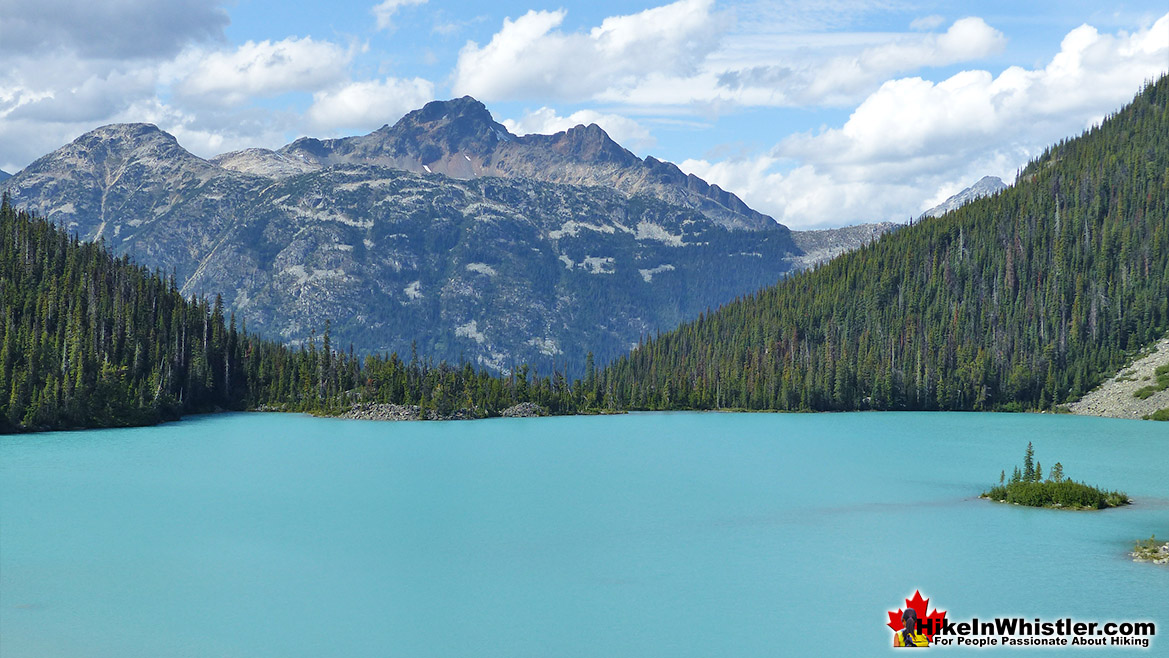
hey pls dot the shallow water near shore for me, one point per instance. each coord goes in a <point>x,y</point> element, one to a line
<point>677,534</point>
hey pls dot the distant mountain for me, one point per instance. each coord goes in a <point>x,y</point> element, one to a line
<point>444,231</point>
<point>1023,300</point>
<point>986,186</point>
<point>4,175</point>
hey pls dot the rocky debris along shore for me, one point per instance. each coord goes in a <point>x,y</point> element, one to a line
<point>385,411</point>
<point>524,410</point>
<point>1114,398</point>
<point>1154,554</point>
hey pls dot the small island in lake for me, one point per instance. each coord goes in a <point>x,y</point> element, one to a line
<point>1029,487</point>
<point>1151,550</point>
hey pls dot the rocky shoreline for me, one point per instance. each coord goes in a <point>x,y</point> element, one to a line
<point>1149,551</point>
<point>1114,398</point>
<point>385,411</point>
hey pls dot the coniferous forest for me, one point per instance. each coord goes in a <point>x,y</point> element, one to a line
<point>90,340</point>
<point>1024,300</point>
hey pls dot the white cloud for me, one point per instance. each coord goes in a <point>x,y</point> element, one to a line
<point>845,79</point>
<point>913,141</point>
<point>909,118</point>
<point>49,99</point>
<point>385,10</point>
<point>122,29</point>
<point>927,23</point>
<point>545,121</point>
<point>209,133</point>
<point>676,55</point>
<point>530,57</point>
<point>368,104</point>
<point>260,69</point>
<point>967,39</point>
<point>57,87</point>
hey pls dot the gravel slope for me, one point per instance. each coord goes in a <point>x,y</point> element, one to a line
<point>1114,398</point>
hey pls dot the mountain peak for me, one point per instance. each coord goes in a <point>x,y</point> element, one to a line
<point>986,186</point>
<point>112,146</point>
<point>440,137</point>
<point>461,108</point>
<point>451,121</point>
<point>128,133</point>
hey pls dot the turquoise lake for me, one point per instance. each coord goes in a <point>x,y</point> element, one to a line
<point>678,534</point>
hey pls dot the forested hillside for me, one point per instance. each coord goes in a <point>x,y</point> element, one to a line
<point>1022,300</point>
<point>90,340</point>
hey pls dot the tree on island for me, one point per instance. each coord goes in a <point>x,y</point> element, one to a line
<point>1029,464</point>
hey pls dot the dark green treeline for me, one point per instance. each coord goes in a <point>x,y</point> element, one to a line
<point>90,340</point>
<point>1023,300</point>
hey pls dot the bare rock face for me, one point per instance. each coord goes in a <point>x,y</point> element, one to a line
<point>263,162</point>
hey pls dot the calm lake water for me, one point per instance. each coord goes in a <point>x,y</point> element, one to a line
<point>684,534</point>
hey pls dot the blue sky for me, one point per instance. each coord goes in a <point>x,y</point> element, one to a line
<point>818,113</point>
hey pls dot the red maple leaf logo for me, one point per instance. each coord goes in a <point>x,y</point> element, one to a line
<point>929,623</point>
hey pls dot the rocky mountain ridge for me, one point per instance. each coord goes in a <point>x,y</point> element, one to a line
<point>459,138</point>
